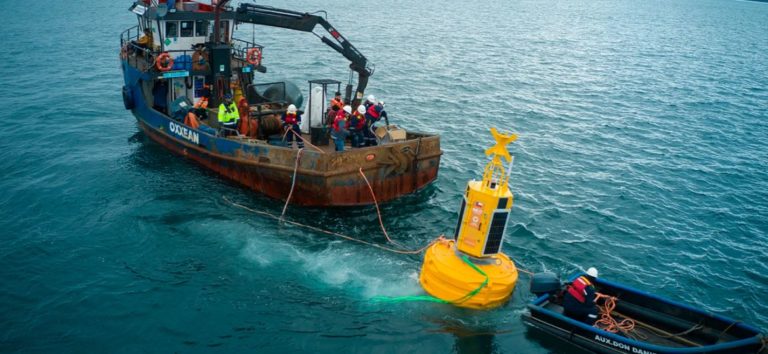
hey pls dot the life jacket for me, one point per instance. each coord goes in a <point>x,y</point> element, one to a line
<point>191,120</point>
<point>338,103</point>
<point>374,111</point>
<point>357,121</point>
<point>291,118</point>
<point>578,289</point>
<point>340,120</point>
<point>202,103</point>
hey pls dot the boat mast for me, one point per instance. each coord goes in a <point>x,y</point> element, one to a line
<point>220,56</point>
<point>217,19</point>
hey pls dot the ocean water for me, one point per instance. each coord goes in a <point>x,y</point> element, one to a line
<point>643,151</point>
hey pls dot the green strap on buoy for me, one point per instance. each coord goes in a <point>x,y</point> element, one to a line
<point>430,298</point>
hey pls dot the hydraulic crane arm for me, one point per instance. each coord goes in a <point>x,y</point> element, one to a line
<point>305,22</point>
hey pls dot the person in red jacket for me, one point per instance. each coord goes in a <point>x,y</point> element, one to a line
<point>374,113</point>
<point>337,100</point>
<point>291,120</point>
<point>579,298</point>
<point>339,130</point>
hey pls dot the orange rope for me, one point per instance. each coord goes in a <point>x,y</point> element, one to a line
<point>606,321</point>
<point>293,183</point>
<point>378,211</point>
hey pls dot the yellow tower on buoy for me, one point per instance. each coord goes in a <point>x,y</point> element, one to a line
<point>470,270</point>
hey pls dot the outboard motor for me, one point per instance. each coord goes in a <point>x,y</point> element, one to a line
<point>545,283</point>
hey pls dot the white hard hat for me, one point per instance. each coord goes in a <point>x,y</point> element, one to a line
<point>361,109</point>
<point>371,98</point>
<point>291,109</point>
<point>592,272</point>
<point>381,103</point>
<point>347,109</point>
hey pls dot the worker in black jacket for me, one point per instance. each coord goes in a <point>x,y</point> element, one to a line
<point>579,298</point>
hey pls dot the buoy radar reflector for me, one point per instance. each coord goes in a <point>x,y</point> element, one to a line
<point>470,270</point>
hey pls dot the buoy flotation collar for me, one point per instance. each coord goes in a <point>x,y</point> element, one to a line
<point>164,62</point>
<point>254,56</point>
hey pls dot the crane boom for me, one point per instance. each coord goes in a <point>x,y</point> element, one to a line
<point>305,22</point>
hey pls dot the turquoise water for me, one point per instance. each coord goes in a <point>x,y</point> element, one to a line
<point>642,151</point>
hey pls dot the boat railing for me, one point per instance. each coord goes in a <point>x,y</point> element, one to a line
<point>241,47</point>
<point>132,52</point>
<point>144,59</point>
<point>184,59</point>
<point>129,35</point>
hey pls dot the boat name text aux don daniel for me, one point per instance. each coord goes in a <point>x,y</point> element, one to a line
<point>621,345</point>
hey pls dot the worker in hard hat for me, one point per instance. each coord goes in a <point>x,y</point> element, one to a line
<point>579,298</point>
<point>228,116</point>
<point>356,126</point>
<point>372,115</point>
<point>339,130</point>
<point>337,101</point>
<point>291,120</point>
<point>370,101</point>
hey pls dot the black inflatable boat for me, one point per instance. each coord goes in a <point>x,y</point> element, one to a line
<point>661,325</point>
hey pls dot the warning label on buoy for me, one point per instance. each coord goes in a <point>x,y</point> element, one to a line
<point>477,211</point>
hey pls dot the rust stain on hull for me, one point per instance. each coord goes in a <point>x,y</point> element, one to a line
<point>324,179</point>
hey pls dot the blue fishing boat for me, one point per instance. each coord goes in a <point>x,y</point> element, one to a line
<point>181,62</point>
<point>658,325</point>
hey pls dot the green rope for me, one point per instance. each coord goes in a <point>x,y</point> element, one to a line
<point>430,298</point>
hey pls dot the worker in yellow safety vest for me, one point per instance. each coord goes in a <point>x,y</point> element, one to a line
<point>228,116</point>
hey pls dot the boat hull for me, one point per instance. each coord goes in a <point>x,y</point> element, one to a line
<point>740,337</point>
<point>322,178</point>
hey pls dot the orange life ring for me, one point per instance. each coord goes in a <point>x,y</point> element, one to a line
<point>164,58</point>
<point>254,56</point>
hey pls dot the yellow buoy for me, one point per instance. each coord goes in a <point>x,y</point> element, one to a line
<point>470,271</point>
<point>445,275</point>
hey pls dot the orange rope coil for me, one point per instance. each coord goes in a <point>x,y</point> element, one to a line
<point>606,321</point>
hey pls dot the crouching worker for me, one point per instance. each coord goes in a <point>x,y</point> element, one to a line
<point>372,115</point>
<point>340,125</point>
<point>291,121</point>
<point>579,298</point>
<point>228,116</point>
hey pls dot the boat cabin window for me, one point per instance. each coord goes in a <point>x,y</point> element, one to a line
<point>201,28</point>
<point>171,29</point>
<point>187,28</point>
